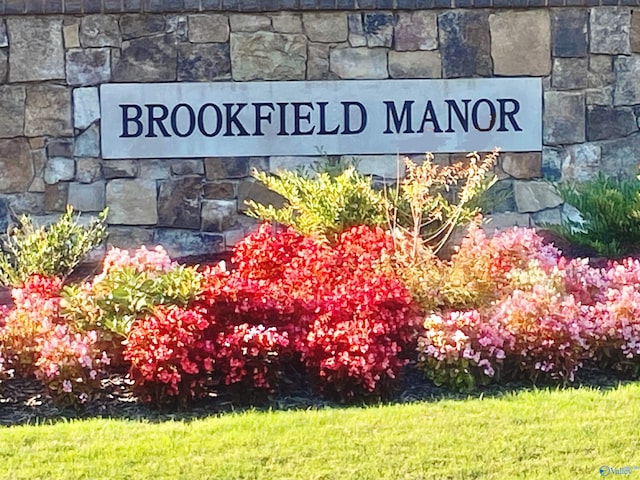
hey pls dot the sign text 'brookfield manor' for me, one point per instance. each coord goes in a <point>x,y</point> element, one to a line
<point>305,118</point>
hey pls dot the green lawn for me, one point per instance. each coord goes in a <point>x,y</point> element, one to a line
<point>550,434</point>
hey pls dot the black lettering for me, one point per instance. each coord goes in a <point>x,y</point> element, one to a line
<point>201,125</point>
<point>126,119</point>
<point>430,117</point>
<point>157,120</point>
<point>346,129</point>
<point>174,120</point>
<point>298,117</point>
<point>260,116</point>
<point>232,119</point>
<point>283,118</point>
<point>323,121</point>
<point>492,115</point>
<point>392,113</point>
<point>508,114</point>
<point>462,119</point>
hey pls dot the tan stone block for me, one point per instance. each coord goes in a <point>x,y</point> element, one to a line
<point>48,111</point>
<point>416,31</point>
<point>71,34</point>
<point>635,31</point>
<point>16,165</point>
<point>535,196</point>
<point>359,63</point>
<point>326,27</point>
<point>285,22</point>
<point>243,22</point>
<point>208,28</point>
<point>132,202</point>
<point>55,197</point>
<point>522,165</point>
<point>421,64</point>
<point>12,105</point>
<point>36,51</point>
<point>268,56</point>
<point>521,43</point>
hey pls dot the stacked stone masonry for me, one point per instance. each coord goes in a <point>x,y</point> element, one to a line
<point>51,67</point>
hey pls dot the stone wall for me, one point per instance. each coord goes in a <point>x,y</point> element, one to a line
<point>54,55</point>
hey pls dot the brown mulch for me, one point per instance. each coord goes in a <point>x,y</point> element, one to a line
<point>25,401</point>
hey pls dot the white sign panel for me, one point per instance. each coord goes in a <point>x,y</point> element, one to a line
<point>305,118</point>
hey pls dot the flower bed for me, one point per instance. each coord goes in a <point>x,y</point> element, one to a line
<point>339,315</point>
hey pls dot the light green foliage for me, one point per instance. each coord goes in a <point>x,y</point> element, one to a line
<point>114,301</point>
<point>432,200</point>
<point>52,251</point>
<point>323,205</point>
<point>610,208</point>
<point>543,434</point>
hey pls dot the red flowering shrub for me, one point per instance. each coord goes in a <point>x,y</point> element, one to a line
<point>250,354</point>
<point>34,340</point>
<point>169,354</point>
<point>347,316</point>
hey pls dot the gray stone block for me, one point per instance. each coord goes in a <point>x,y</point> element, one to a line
<point>416,31</point>
<point>564,118</point>
<point>203,61</point>
<point>86,107</point>
<point>465,44</point>
<point>609,30</point>
<point>627,86</point>
<point>100,31</point>
<point>569,32</point>
<point>87,197</point>
<point>146,60</point>
<point>179,202</point>
<point>180,243</point>
<point>90,66</point>
<point>569,73</point>
<point>606,123</point>
<point>141,25</point>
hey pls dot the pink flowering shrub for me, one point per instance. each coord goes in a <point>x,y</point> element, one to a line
<point>549,315</point>
<point>347,317</point>
<point>547,338</point>
<point>461,349</point>
<point>69,364</point>
<point>35,340</point>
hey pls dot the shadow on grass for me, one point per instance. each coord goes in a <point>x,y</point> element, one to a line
<point>24,402</point>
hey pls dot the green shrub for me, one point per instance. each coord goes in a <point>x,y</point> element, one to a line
<point>52,251</point>
<point>126,292</point>
<point>610,209</point>
<point>323,205</point>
